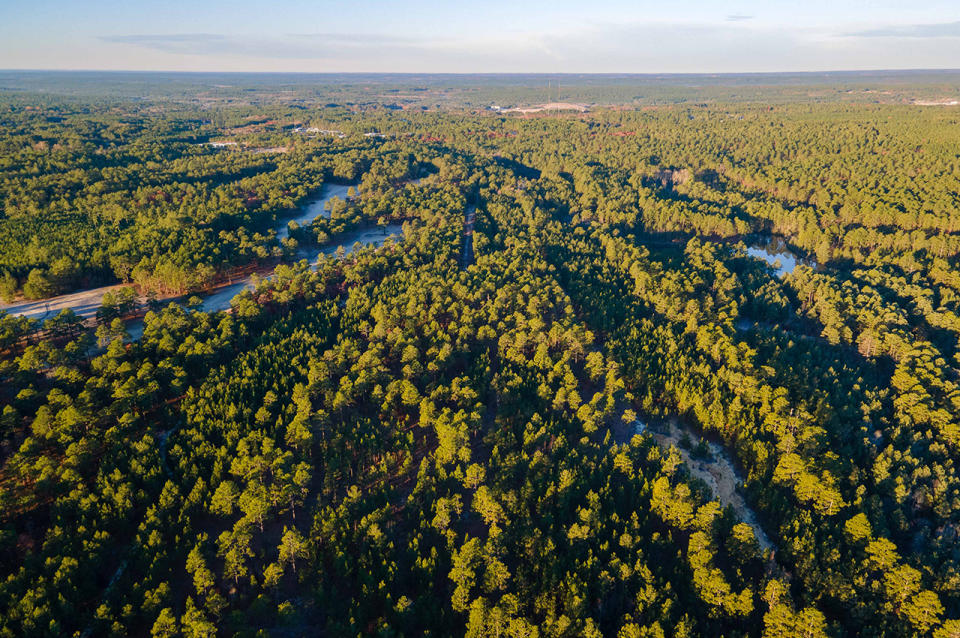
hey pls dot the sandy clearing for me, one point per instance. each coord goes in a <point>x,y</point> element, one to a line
<point>718,472</point>
<point>84,302</point>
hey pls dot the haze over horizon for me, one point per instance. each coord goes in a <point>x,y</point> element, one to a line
<point>427,36</point>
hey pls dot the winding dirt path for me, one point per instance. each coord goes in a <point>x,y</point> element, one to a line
<point>84,303</point>
<point>717,471</point>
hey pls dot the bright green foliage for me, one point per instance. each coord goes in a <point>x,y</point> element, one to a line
<point>611,421</point>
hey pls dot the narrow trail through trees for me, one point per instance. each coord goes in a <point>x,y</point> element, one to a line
<point>466,254</point>
<point>717,471</point>
<point>714,467</point>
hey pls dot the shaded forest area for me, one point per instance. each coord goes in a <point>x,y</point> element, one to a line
<point>411,440</point>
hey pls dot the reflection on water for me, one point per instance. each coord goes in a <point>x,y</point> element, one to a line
<point>220,300</point>
<point>775,252</point>
<point>315,208</point>
<point>85,303</point>
<point>375,237</point>
<point>349,241</point>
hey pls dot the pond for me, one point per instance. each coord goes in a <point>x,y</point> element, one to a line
<point>349,241</point>
<point>86,302</point>
<point>314,208</point>
<point>777,253</point>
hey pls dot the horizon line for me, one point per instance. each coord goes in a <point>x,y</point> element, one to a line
<point>495,73</point>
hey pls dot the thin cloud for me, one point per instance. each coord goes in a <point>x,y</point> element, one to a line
<point>616,41</point>
<point>360,39</point>
<point>291,46</point>
<point>612,47</point>
<point>737,17</point>
<point>942,30</point>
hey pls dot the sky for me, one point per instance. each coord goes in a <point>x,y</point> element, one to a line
<point>487,36</point>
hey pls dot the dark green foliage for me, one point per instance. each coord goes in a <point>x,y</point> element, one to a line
<point>396,442</point>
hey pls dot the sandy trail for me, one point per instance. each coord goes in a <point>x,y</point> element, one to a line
<point>84,302</point>
<point>717,471</point>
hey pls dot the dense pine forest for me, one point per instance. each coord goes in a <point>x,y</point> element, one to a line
<point>677,365</point>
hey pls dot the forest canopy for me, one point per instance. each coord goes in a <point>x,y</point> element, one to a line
<point>564,398</point>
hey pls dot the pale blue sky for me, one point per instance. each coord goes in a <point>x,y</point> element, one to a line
<point>613,36</point>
